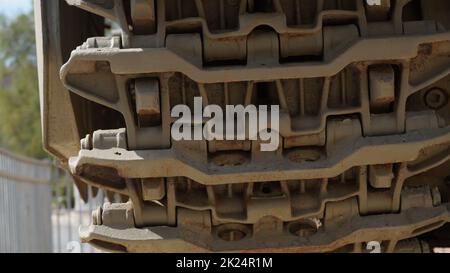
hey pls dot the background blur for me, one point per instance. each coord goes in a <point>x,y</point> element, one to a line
<point>19,96</point>
<point>40,210</point>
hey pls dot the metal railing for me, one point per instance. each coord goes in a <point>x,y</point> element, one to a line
<point>69,213</point>
<point>40,209</point>
<point>25,204</point>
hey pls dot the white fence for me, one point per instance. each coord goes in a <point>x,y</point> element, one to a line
<point>40,210</point>
<point>25,204</point>
<point>68,215</point>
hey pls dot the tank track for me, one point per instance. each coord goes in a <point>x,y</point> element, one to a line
<point>364,152</point>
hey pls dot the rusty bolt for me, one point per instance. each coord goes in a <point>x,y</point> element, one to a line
<point>382,86</point>
<point>436,98</point>
<point>148,105</point>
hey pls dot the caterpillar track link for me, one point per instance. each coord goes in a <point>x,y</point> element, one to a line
<point>364,136</point>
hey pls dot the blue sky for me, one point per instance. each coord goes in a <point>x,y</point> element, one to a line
<point>11,8</point>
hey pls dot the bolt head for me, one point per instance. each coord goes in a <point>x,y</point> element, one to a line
<point>97,216</point>
<point>436,98</point>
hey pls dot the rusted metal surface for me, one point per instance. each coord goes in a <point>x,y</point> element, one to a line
<point>363,93</point>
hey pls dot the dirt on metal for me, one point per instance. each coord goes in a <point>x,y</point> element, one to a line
<point>363,93</point>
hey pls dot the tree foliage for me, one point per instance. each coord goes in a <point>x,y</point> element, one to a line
<point>20,129</point>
